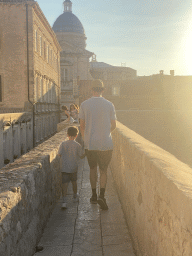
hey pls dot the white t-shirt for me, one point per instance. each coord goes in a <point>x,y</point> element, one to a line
<point>97,113</point>
<point>70,152</point>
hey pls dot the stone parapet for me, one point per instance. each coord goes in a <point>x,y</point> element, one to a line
<point>155,190</point>
<point>64,125</point>
<point>16,136</point>
<point>29,189</point>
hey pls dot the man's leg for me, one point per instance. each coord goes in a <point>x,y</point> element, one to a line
<point>103,178</point>
<point>93,177</point>
<point>104,158</point>
<point>92,160</point>
<point>93,181</point>
<point>103,181</point>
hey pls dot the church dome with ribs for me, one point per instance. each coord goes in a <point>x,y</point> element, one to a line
<point>68,22</point>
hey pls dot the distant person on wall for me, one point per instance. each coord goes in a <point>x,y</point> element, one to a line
<point>74,111</point>
<point>70,152</point>
<point>68,115</point>
<point>97,121</point>
<point>65,112</point>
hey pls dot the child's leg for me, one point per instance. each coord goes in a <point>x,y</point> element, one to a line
<point>64,190</point>
<point>74,184</point>
<point>65,183</point>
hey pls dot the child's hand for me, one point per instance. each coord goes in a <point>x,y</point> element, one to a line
<point>83,156</point>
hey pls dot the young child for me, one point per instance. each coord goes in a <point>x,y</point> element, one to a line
<point>70,152</point>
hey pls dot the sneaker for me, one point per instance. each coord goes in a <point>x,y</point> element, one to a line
<point>64,205</point>
<point>102,202</point>
<point>76,197</point>
<point>39,248</point>
<point>93,199</point>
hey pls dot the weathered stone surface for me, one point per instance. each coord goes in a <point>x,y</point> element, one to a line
<point>55,251</point>
<point>156,195</point>
<point>86,237</point>
<point>120,250</point>
<point>31,187</point>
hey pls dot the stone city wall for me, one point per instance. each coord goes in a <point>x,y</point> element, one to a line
<point>29,189</point>
<point>155,190</point>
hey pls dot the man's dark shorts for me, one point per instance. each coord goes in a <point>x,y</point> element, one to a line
<point>97,157</point>
<point>67,177</point>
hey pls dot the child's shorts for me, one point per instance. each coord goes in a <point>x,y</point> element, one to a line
<point>67,177</point>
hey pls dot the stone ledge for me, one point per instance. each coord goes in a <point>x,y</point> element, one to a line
<point>29,189</point>
<point>155,189</point>
<point>64,125</point>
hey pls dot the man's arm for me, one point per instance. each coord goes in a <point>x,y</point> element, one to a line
<point>113,125</point>
<point>82,127</point>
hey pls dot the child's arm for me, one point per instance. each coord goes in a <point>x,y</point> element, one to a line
<point>81,152</point>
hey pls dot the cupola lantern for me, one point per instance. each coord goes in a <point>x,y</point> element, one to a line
<point>67,6</point>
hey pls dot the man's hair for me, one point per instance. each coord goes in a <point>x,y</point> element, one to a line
<point>98,89</point>
<point>64,108</point>
<point>97,85</point>
<point>72,131</point>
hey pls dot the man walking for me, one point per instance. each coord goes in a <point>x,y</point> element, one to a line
<point>97,121</point>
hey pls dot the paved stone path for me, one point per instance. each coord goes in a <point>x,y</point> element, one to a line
<point>83,229</point>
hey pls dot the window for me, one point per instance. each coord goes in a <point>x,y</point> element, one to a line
<point>36,41</point>
<point>51,56</point>
<point>65,77</point>
<point>54,93</point>
<point>36,89</point>
<point>48,53</point>
<point>41,99</point>
<point>40,46</point>
<point>44,50</point>
<point>50,95</point>
<point>116,91</point>
<point>1,96</point>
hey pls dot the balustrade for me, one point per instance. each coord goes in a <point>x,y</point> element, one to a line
<point>16,136</point>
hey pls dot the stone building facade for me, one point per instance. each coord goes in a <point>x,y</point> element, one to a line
<point>74,63</point>
<point>29,65</point>
<point>104,71</point>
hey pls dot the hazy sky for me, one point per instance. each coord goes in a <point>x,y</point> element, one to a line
<point>147,35</point>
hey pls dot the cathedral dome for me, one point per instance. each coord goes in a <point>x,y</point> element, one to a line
<point>68,22</point>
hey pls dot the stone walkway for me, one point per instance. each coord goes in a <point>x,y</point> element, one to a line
<point>83,229</point>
